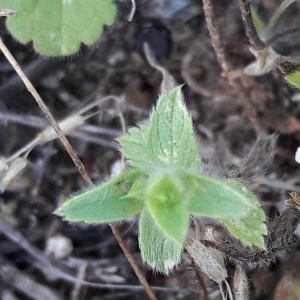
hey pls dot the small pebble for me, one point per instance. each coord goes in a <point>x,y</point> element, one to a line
<point>297,156</point>
<point>59,246</point>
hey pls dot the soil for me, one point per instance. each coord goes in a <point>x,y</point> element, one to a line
<point>30,268</point>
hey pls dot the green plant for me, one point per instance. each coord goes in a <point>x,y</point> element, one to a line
<point>267,57</point>
<point>58,27</point>
<point>166,185</point>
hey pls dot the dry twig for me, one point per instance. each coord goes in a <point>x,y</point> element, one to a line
<point>226,68</point>
<point>76,161</point>
<point>58,270</point>
<point>46,112</point>
<point>24,284</point>
<point>82,268</point>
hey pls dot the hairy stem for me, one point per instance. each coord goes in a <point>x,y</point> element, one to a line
<point>251,33</point>
<point>226,68</point>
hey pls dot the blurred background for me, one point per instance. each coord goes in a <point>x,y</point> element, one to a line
<point>40,255</point>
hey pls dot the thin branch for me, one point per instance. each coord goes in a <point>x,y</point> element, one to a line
<point>81,273</point>
<point>251,33</point>
<point>132,12</point>
<point>229,290</point>
<point>76,161</point>
<point>222,292</point>
<point>132,262</point>
<point>47,112</point>
<point>216,40</point>
<point>25,284</point>
<point>225,66</point>
<point>40,123</point>
<point>50,266</point>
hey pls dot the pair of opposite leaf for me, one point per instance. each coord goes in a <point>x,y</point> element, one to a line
<point>58,27</point>
<point>166,185</point>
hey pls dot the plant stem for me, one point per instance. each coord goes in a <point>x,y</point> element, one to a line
<point>27,147</point>
<point>229,290</point>
<point>275,18</point>
<point>251,33</point>
<point>46,111</point>
<point>222,292</point>
<point>226,68</point>
<point>75,159</point>
<point>216,40</point>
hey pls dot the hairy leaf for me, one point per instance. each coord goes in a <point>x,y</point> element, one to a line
<point>197,167</point>
<point>134,147</point>
<point>105,203</point>
<point>159,251</point>
<point>58,27</point>
<point>170,140</point>
<point>138,188</point>
<point>251,228</point>
<point>212,198</point>
<point>167,208</point>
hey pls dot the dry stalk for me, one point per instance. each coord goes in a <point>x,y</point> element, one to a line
<point>225,66</point>
<point>132,12</point>
<point>251,33</point>
<point>75,159</point>
<point>200,279</point>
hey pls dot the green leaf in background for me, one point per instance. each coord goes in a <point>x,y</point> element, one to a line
<point>106,203</point>
<point>134,147</point>
<point>58,27</point>
<point>170,141</point>
<point>212,198</point>
<point>167,208</point>
<point>251,228</point>
<point>293,79</point>
<point>257,22</point>
<point>159,251</point>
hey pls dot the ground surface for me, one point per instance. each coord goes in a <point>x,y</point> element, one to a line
<point>115,66</point>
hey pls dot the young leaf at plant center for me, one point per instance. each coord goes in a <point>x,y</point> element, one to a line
<point>105,203</point>
<point>58,27</point>
<point>212,198</point>
<point>170,140</point>
<point>134,147</point>
<point>251,228</point>
<point>167,208</point>
<point>160,252</point>
<point>257,22</point>
<point>294,79</point>
<point>138,188</point>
